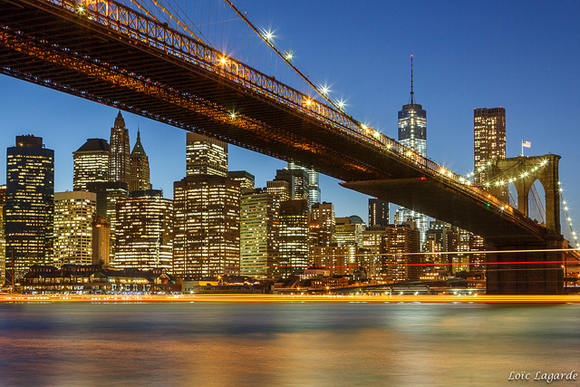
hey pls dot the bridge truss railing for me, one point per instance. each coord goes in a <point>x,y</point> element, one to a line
<point>128,22</point>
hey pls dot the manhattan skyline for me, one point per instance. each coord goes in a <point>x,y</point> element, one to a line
<point>520,56</point>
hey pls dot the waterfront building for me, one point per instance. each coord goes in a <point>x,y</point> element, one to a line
<point>348,231</point>
<point>378,212</point>
<point>489,139</point>
<point>101,241</point>
<point>206,156</point>
<point>399,247</point>
<point>94,279</point>
<point>73,218</point>
<point>91,163</point>
<point>313,185</point>
<point>207,227</point>
<point>108,193</point>
<point>298,181</point>
<point>144,231</point>
<point>259,227</point>
<point>29,204</point>
<point>139,175</point>
<point>246,179</point>
<point>119,156</point>
<point>322,224</point>
<point>280,189</point>
<point>294,234</point>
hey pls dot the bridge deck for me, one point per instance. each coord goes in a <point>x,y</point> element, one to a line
<point>120,64</point>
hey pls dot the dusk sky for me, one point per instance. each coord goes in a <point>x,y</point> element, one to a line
<point>521,55</point>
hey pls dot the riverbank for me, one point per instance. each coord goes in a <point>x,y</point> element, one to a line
<point>275,298</point>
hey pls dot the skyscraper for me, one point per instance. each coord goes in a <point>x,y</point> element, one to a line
<point>2,234</point>
<point>206,156</point>
<point>207,227</point>
<point>489,139</point>
<point>322,224</point>
<point>73,218</point>
<point>293,237</point>
<point>398,242</point>
<point>378,212</point>
<point>139,180</point>
<point>29,204</point>
<point>119,162</point>
<point>91,163</point>
<point>259,227</point>
<point>144,231</point>
<point>313,186</point>
<point>413,135</point>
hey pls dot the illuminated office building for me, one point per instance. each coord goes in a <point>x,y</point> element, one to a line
<point>348,231</point>
<point>206,156</point>
<point>413,135</point>
<point>91,163</point>
<point>207,227</point>
<point>119,161</point>
<point>29,204</point>
<point>144,231</point>
<point>313,186</point>
<point>107,196</point>
<point>139,179</point>
<point>280,189</point>
<point>73,218</point>
<point>259,226</point>
<point>399,241</point>
<point>294,233</point>
<point>246,179</point>
<point>322,224</point>
<point>489,139</point>
<point>378,212</point>
<point>2,234</point>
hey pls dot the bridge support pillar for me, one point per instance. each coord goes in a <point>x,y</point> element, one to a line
<point>513,275</point>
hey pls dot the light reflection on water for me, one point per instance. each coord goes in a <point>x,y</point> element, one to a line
<point>283,344</point>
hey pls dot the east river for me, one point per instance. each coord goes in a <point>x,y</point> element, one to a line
<point>287,344</point>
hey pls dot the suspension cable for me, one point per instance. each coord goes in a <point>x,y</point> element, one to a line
<point>267,41</point>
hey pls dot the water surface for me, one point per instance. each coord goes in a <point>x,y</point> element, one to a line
<point>297,344</point>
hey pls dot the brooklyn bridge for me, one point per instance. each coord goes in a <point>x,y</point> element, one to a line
<point>124,57</point>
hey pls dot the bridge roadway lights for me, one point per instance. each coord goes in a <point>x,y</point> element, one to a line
<point>509,277</point>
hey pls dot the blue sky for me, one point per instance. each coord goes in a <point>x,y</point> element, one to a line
<point>521,55</point>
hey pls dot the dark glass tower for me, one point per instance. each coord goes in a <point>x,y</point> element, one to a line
<point>29,205</point>
<point>378,212</point>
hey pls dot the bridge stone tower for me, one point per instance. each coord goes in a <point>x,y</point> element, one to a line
<point>535,278</point>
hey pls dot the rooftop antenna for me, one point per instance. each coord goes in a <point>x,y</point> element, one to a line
<point>412,93</point>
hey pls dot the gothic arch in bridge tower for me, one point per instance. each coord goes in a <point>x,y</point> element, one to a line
<point>522,172</point>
